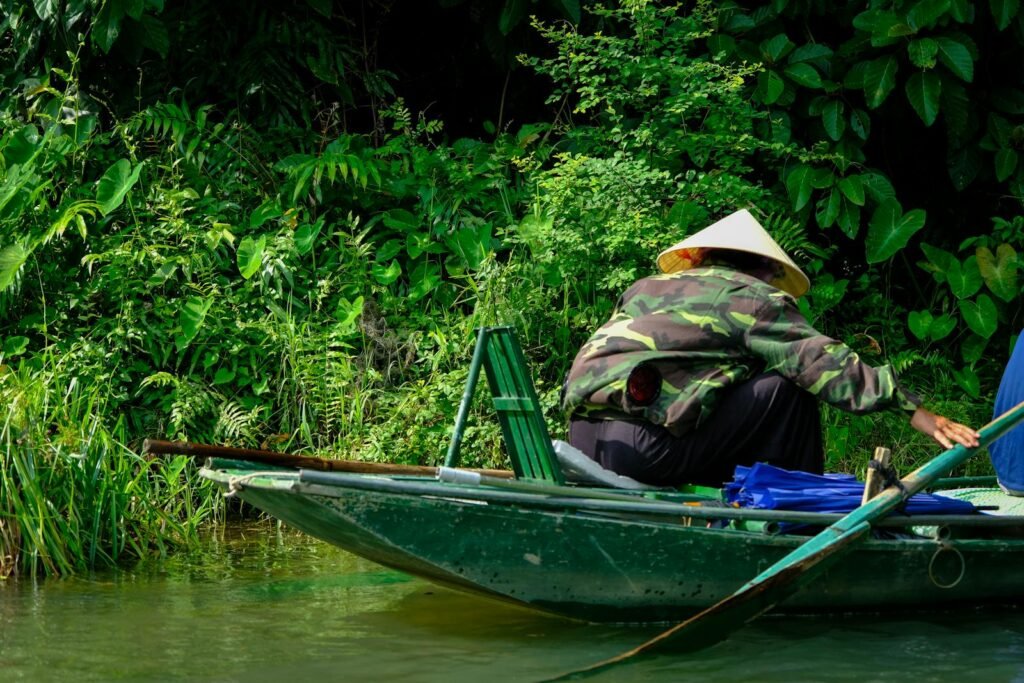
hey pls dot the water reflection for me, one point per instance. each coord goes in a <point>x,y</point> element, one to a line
<point>263,604</point>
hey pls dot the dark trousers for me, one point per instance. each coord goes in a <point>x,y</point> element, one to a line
<point>767,419</point>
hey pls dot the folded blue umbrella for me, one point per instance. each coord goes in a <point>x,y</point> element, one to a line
<point>772,488</point>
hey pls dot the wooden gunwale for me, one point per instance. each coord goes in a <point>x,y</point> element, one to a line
<point>334,484</point>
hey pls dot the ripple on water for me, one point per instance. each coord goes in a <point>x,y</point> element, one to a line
<point>266,605</point>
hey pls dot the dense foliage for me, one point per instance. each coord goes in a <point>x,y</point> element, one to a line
<point>224,223</point>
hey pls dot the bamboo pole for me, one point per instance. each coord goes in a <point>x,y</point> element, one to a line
<point>276,459</point>
<point>874,481</point>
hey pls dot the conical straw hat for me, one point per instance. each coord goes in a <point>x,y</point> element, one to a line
<point>739,231</point>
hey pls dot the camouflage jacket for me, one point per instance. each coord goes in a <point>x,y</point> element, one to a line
<point>706,330</point>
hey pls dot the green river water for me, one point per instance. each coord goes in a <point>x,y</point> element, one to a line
<point>263,604</point>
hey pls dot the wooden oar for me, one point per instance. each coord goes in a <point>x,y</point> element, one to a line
<point>808,561</point>
<point>295,461</point>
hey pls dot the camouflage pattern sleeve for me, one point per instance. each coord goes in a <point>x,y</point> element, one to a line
<point>827,368</point>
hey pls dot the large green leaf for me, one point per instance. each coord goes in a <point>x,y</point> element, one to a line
<point>386,274</point>
<point>22,145</point>
<point>849,218</point>
<point>12,258</point>
<point>964,278</point>
<point>925,13</point>
<point>963,166</point>
<point>402,220</point>
<point>776,48</point>
<point>956,110</point>
<point>923,53</point>
<point>804,74</point>
<point>962,10</point>
<point>423,280</point>
<point>132,8</point>
<point>306,236</point>
<point>972,348</point>
<point>999,271</point>
<point>920,322</point>
<point>828,209</point>
<point>770,86</point>
<point>46,9</point>
<point>890,229</point>
<point>1003,11</point>
<point>885,27</point>
<point>511,14</point>
<point>471,245</point>
<point>927,327</point>
<point>115,184</point>
<point>878,187</point>
<point>571,8</point>
<point>832,118</point>
<point>957,57</point>
<point>860,123</point>
<point>870,20</point>
<point>1006,163</point>
<point>250,255</point>
<point>1001,130</point>
<point>940,258</point>
<point>879,80</point>
<point>980,315</point>
<point>798,185</point>
<point>162,274</point>
<point>14,346</point>
<point>852,187</point>
<point>968,381</point>
<point>923,91</point>
<point>107,24</point>
<point>155,35</point>
<point>942,327</point>
<point>269,209</point>
<point>811,52</point>
<point>190,319</point>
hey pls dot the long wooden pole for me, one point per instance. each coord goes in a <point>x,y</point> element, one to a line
<point>274,458</point>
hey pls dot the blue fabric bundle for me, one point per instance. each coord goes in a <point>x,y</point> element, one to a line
<point>773,488</point>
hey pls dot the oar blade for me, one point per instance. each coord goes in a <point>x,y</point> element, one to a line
<point>756,597</point>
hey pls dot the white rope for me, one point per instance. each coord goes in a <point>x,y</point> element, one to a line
<point>236,484</point>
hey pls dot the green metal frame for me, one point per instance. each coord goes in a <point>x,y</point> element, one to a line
<point>522,421</point>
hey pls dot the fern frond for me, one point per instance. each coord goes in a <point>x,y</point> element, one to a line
<point>235,423</point>
<point>192,410</point>
<point>159,379</point>
<point>792,237</point>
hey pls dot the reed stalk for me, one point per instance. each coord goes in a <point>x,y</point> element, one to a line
<point>73,495</point>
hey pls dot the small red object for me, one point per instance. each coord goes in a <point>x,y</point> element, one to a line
<point>643,386</point>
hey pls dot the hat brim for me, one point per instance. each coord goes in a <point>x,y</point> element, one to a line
<point>739,231</point>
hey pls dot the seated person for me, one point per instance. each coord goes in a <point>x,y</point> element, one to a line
<point>1007,451</point>
<point>711,365</point>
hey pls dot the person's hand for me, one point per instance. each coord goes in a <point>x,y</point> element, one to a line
<point>943,430</point>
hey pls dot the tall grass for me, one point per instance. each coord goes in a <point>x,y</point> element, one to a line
<point>73,495</point>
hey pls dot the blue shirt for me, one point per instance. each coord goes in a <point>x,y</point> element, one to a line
<point>1007,452</point>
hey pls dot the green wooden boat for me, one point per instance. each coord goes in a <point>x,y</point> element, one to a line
<point>622,555</point>
<point>601,560</point>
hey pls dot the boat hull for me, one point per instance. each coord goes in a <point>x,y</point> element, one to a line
<point>625,568</point>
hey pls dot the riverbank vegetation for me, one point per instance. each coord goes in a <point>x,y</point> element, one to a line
<point>278,226</point>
